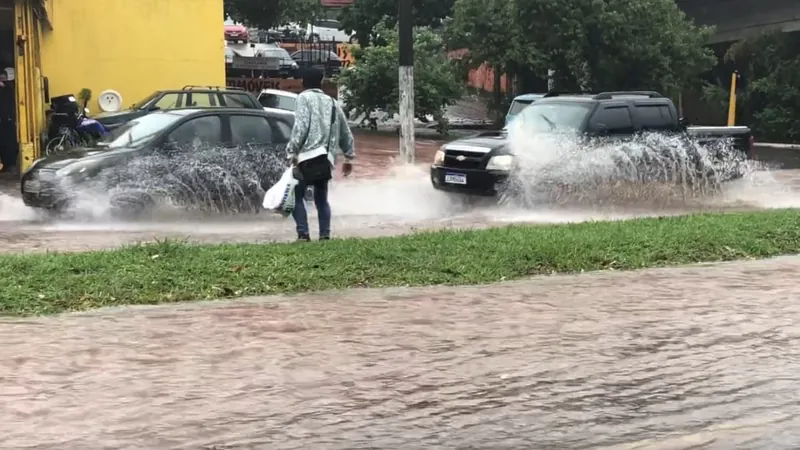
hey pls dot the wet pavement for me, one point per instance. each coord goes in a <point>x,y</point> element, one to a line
<point>681,358</point>
<point>400,202</point>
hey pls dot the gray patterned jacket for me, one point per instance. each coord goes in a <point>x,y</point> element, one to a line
<point>311,135</point>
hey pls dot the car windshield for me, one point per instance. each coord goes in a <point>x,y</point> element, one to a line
<point>278,102</point>
<point>517,106</point>
<point>553,116</point>
<point>142,103</point>
<point>138,131</point>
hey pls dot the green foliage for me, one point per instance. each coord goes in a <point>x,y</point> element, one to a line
<point>372,83</point>
<point>770,101</point>
<point>168,272</point>
<point>592,45</point>
<point>364,15</point>
<point>266,14</point>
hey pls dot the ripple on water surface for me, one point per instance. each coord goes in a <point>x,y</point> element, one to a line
<point>667,359</point>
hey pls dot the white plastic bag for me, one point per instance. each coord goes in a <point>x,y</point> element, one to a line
<point>280,197</point>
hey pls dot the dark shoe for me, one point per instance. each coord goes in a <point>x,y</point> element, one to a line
<point>324,238</point>
<point>303,238</point>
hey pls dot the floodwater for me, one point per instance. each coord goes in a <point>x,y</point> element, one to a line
<point>381,198</point>
<point>400,201</point>
<point>681,358</point>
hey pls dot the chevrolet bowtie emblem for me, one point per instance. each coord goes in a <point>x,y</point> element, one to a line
<point>461,158</point>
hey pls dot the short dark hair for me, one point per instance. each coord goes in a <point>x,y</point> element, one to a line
<point>312,78</point>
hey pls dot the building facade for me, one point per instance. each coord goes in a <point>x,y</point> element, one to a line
<point>128,48</point>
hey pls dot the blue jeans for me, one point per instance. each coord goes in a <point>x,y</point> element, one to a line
<point>323,208</point>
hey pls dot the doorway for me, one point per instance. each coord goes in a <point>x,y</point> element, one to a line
<point>9,145</point>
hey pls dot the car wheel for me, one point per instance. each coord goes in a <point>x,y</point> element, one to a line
<point>131,205</point>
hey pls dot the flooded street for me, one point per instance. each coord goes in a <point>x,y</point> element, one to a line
<point>682,358</point>
<point>397,203</point>
<point>700,357</point>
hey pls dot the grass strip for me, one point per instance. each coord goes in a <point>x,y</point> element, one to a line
<point>173,271</point>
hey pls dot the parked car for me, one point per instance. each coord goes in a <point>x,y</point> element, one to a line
<point>288,67</point>
<point>519,103</point>
<point>236,33</point>
<point>328,30</point>
<point>276,99</point>
<point>244,139</point>
<point>321,59</point>
<point>482,165</point>
<point>186,97</point>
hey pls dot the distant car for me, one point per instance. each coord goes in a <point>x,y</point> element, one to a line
<point>236,33</point>
<point>520,102</point>
<point>329,30</point>
<point>276,99</point>
<point>246,147</point>
<point>187,97</point>
<point>321,59</point>
<point>288,67</point>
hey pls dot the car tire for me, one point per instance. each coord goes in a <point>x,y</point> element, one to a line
<point>131,205</point>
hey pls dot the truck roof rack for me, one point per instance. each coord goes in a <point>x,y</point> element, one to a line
<point>612,94</point>
<point>560,93</point>
<point>211,88</point>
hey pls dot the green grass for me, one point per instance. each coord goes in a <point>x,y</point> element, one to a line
<point>173,271</point>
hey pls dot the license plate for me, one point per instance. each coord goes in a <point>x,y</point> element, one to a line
<point>455,178</point>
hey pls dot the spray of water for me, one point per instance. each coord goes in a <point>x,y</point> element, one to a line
<point>649,171</point>
<point>211,181</point>
<point>220,188</point>
<point>13,210</point>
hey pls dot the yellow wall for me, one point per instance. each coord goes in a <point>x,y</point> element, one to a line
<point>133,46</point>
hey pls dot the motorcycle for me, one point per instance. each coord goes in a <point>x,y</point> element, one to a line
<point>69,127</point>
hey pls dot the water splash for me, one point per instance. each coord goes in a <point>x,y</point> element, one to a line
<point>405,193</point>
<point>207,181</point>
<point>13,210</point>
<point>652,170</point>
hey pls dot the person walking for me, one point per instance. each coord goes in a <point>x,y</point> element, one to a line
<point>320,129</point>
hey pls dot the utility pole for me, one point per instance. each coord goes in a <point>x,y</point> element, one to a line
<point>405,28</point>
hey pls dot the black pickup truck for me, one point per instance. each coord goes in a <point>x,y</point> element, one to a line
<point>481,165</point>
<point>186,97</point>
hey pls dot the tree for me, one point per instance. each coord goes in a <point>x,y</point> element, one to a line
<point>364,15</point>
<point>372,84</point>
<point>490,32</point>
<point>770,101</point>
<point>267,14</point>
<point>592,45</point>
